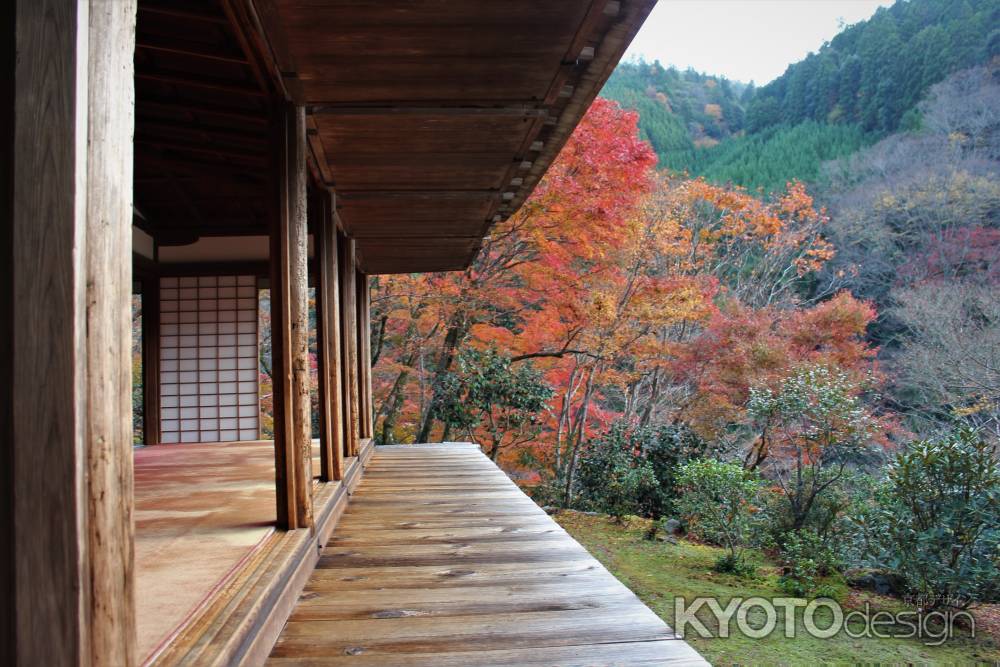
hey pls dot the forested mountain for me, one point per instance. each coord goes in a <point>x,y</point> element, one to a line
<point>858,88</point>
<point>915,219</point>
<point>875,71</point>
<point>679,111</point>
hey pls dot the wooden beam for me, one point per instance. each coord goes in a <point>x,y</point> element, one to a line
<point>298,291</point>
<point>220,85</point>
<point>349,341</point>
<point>193,50</point>
<point>265,19</point>
<point>151,360</point>
<point>526,110</point>
<point>243,27</point>
<point>68,542</point>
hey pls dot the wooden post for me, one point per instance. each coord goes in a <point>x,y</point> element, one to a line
<point>290,328</point>
<point>328,340</point>
<point>349,340</point>
<point>67,553</point>
<point>151,360</point>
<point>284,458</point>
<point>365,356</point>
<point>298,310</point>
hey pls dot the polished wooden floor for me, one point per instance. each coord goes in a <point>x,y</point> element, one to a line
<point>440,560</point>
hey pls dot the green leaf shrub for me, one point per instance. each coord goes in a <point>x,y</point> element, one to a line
<point>937,522</point>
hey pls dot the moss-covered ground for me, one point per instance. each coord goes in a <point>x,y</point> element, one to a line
<point>659,571</point>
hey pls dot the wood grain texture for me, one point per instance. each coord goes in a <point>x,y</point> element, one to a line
<point>318,268</point>
<point>281,334</point>
<point>110,522</point>
<point>70,294</point>
<point>298,312</point>
<point>151,360</point>
<point>48,402</point>
<point>8,550</point>
<point>440,559</point>
<point>240,621</point>
<point>365,424</point>
<point>349,341</point>
<point>330,281</point>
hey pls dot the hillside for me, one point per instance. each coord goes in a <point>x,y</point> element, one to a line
<point>680,112</point>
<point>874,72</point>
<point>860,87</point>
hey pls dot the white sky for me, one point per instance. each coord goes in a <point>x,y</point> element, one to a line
<point>743,40</point>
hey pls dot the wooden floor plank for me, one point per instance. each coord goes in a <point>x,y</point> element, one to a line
<point>441,560</point>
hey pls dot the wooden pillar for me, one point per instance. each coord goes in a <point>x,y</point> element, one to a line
<point>365,356</point>
<point>290,326</point>
<point>284,458</point>
<point>349,340</point>
<point>67,552</point>
<point>328,340</point>
<point>151,360</point>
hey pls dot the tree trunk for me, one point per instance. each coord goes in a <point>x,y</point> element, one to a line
<point>576,437</point>
<point>451,341</point>
<point>393,404</point>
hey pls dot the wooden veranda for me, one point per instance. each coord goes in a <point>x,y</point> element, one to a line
<point>207,157</point>
<point>441,561</point>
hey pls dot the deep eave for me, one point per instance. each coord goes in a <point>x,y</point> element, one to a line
<point>430,120</point>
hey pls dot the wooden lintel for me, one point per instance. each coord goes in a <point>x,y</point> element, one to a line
<point>259,269</point>
<point>354,195</point>
<point>526,110</point>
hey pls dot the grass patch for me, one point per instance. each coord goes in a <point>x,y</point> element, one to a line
<point>658,572</point>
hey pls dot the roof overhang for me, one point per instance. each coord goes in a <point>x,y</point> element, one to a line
<point>433,120</point>
<point>429,120</point>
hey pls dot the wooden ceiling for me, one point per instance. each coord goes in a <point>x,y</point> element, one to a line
<point>202,119</point>
<point>430,119</point>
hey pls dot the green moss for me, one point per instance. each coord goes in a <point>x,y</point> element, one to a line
<point>658,572</point>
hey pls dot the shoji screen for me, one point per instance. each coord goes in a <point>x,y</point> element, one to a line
<point>208,359</point>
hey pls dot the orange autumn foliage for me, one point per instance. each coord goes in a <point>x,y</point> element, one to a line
<point>640,296</point>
